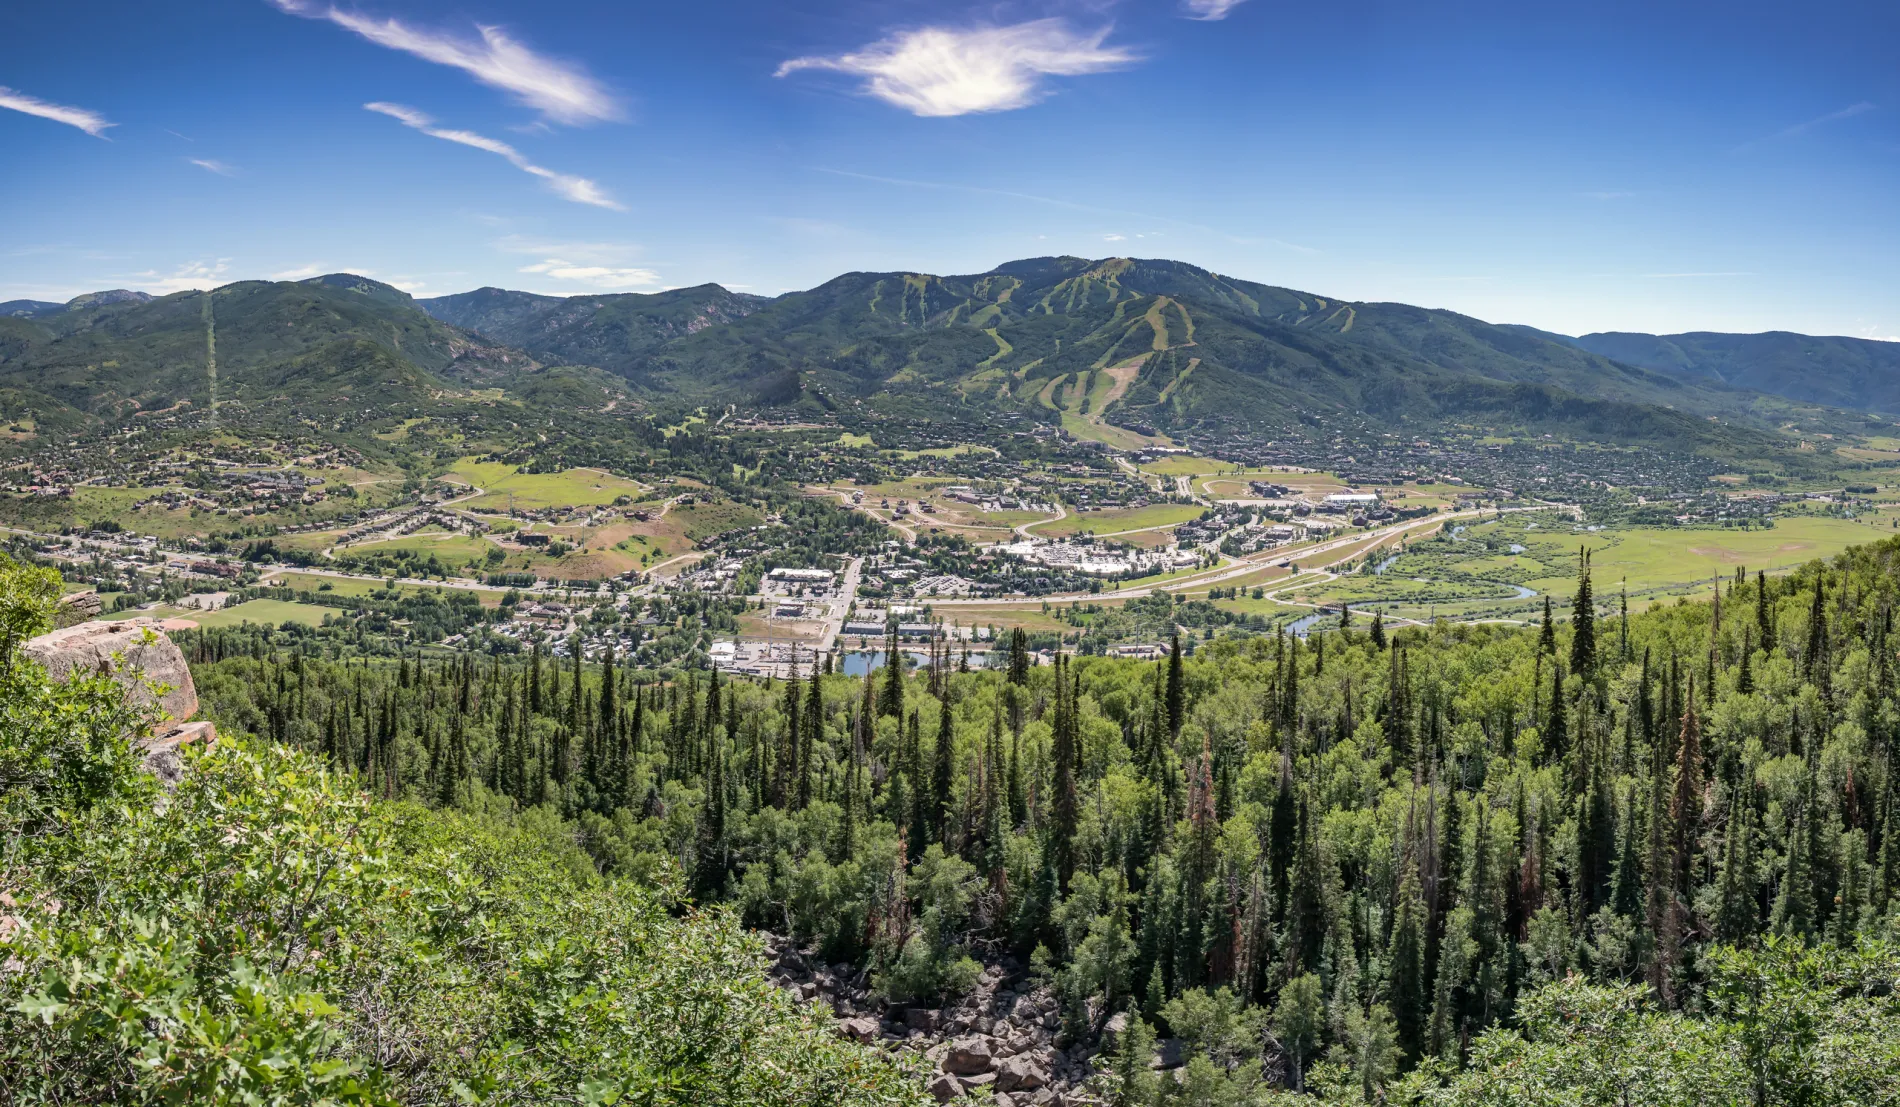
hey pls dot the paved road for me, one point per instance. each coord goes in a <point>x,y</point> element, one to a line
<point>847,595</point>
<point>1236,569</point>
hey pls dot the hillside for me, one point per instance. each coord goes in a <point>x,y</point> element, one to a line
<point>1855,373</point>
<point>1116,349</point>
<point>610,332</point>
<point>278,345</point>
<point>1154,343</point>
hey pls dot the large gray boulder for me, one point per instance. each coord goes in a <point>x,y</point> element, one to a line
<point>90,647</point>
<point>969,1057</point>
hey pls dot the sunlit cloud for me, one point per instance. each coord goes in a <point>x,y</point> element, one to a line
<point>88,121</point>
<point>209,165</point>
<point>558,90</point>
<point>191,275</point>
<point>941,71</point>
<point>578,189</point>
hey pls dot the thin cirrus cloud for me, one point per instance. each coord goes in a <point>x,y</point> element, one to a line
<point>1210,10</point>
<point>86,120</point>
<point>1799,129</point>
<point>212,166</point>
<point>578,189</point>
<point>599,276</point>
<point>560,91</point>
<point>941,71</point>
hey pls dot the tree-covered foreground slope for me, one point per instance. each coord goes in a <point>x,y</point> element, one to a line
<point>1618,859</point>
<point>271,934</point>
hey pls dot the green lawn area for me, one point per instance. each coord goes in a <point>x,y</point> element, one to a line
<point>1651,558</point>
<point>1108,522</point>
<point>346,586</point>
<point>503,484</point>
<point>1185,465</point>
<point>453,549</point>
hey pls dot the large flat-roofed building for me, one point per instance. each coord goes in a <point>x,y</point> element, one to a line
<point>1353,499</point>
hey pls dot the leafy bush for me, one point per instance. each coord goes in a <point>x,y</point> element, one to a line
<point>267,934</point>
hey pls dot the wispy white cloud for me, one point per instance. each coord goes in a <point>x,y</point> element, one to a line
<point>578,189</point>
<point>1873,333</point>
<point>1798,129</point>
<point>1210,9</point>
<point>218,167</point>
<point>193,274</point>
<point>561,91</point>
<point>88,121</point>
<point>582,252</point>
<point>1681,276</point>
<point>1114,238</point>
<point>943,71</point>
<point>596,276</point>
<point>1847,112</point>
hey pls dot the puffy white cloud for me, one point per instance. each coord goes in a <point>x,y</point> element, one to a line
<point>90,122</point>
<point>558,90</point>
<point>942,71</point>
<point>193,274</point>
<point>578,189</point>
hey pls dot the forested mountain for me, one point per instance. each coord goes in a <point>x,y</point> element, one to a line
<point>1320,863</point>
<point>1160,343</point>
<point>610,332</point>
<point>297,345</point>
<point>1856,373</point>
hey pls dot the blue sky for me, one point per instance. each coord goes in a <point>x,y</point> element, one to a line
<point>1638,166</point>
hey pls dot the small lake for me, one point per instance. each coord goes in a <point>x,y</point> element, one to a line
<point>1305,623</point>
<point>860,662</point>
<point>1382,566</point>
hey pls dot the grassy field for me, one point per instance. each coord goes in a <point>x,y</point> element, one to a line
<point>452,549</point>
<point>1666,557</point>
<point>346,586</point>
<point>1109,522</point>
<point>503,485</point>
<point>1478,577</point>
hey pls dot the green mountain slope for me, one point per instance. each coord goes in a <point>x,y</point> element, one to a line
<point>1167,345</point>
<point>292,344</point>
<point>1855,373</point>
<point>611,332</point>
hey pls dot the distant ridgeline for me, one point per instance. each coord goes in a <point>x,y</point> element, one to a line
<point>1657,852</point>
<point>1157,346</point>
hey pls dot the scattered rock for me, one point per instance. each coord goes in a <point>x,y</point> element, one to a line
<point>859,1030</point>
<point>946,1088</point>
<point>922,1018</point>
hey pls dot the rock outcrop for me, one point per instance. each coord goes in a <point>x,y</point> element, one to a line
<point>1000,1043</point>
<point>138,655</point>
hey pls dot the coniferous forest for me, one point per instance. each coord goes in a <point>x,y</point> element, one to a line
<point>1614,857</point>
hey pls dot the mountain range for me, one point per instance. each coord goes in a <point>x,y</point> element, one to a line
<point>1115,348</point>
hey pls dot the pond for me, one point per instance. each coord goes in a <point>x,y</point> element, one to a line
<point>860,662</point>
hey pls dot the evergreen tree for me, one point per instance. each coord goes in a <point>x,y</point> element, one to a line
<point>1177,689</point>
<point>1583,624</point>
<point>1405,964</point>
